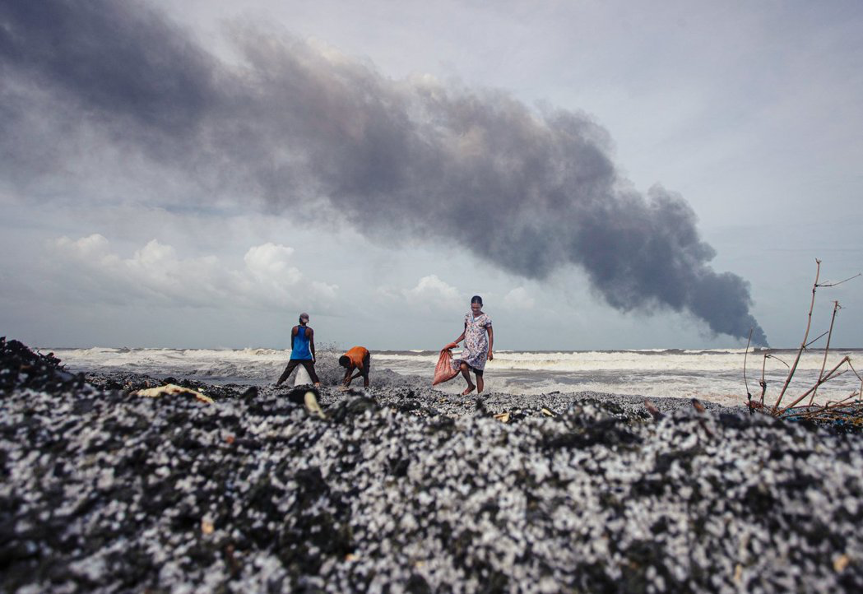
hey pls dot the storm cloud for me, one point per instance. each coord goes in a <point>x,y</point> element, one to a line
<point>531,190</point>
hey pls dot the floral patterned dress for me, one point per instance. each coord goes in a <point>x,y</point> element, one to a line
<point>476,342</point>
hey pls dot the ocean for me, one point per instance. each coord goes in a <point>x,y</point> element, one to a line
<point>713,375</point>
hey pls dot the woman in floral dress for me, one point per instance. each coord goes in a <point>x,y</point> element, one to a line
<point>478,345</point>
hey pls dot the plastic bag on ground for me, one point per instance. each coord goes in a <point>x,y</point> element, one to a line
<point>172,389</point>
<point>443,369</point>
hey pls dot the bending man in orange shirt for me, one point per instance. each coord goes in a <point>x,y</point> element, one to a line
<point>356,358</point>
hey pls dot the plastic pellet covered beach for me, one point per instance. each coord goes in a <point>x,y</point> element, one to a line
<point>405,489</point>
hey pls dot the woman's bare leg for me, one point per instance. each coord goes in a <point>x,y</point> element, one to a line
<point>464,367</point>
<point>479,383</point>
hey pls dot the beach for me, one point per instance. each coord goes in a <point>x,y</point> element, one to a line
<point>404,488</point>
<point>637,224</point>
<point>710,375</point>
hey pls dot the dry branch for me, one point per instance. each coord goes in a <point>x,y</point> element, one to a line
<point>841,414</point>
<point>804,342</point>
<point>746,386</point>
<point>827,345</point>
<point>822,380</point>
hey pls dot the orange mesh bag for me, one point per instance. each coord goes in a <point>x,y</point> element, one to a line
<point>443,370</point>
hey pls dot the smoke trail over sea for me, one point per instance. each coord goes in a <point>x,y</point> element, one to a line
<point>299,125</point>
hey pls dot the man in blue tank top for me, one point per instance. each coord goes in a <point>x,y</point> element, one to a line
<point>302,351</point>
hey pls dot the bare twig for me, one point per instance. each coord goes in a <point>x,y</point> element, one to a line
<point>841,402</point>
<point>772,356</point>
<point>827,344</point>
<point>816,339</point>
<point>846,416</point>
<point>853,371</point>
<point>762,382</point>
<point>746,387</point>
<point>843,413</point>
<point>804,342</point>
<point>839,282</point>
<point>822,380</point>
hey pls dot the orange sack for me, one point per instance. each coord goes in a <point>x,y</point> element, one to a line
<point>443,370</point>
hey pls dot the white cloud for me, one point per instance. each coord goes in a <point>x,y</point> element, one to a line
<point>430,297</point>
<point>156,273</point>
<point>518,298</point>
<point>271,260</point>
<point>94,245</point>
<point>434,293</point>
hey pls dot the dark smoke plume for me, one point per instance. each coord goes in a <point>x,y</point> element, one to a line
<point>530,191</point>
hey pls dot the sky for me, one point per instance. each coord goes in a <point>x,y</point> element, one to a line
<point>606,175</point>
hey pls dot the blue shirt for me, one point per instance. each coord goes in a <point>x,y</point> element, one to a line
<point>300,347</point>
